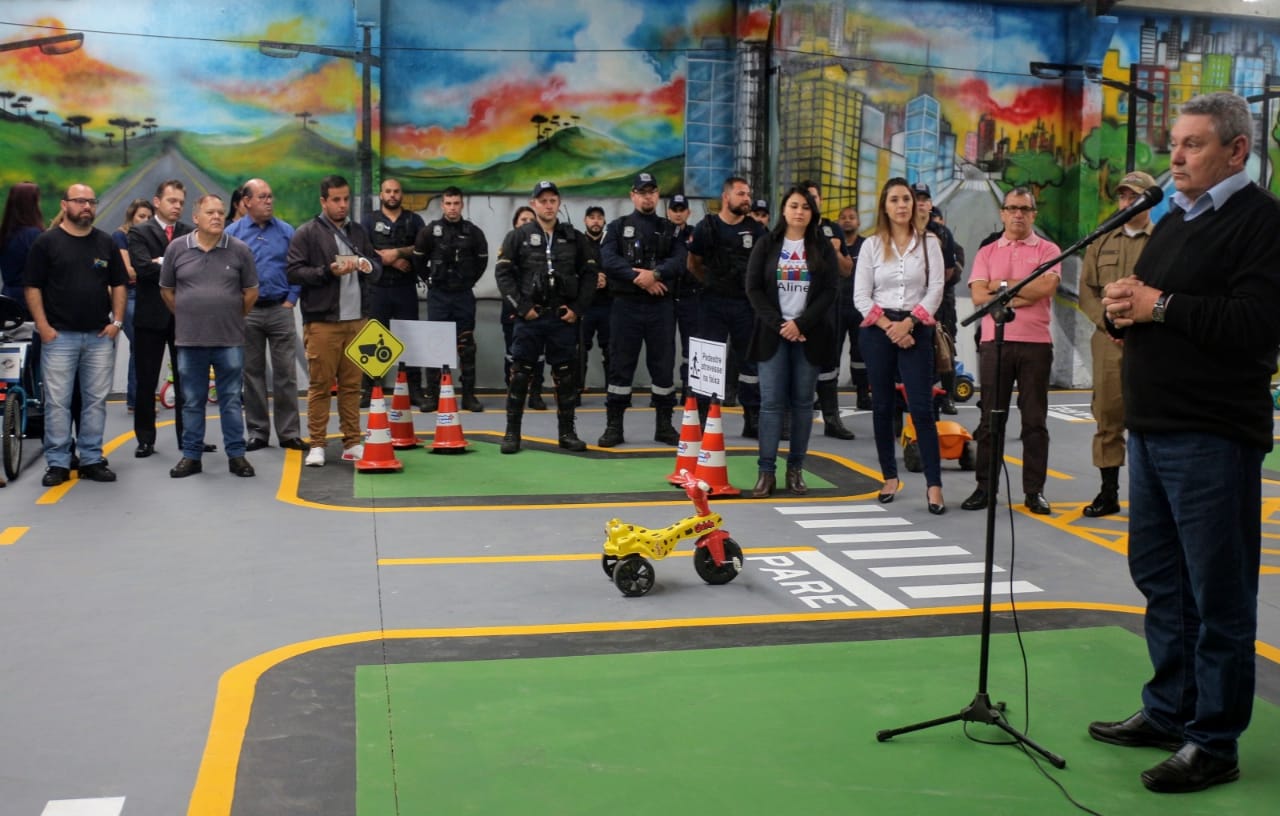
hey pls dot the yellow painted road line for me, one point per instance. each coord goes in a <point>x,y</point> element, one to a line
<point>537,559</point>
<point>292,477</point>
<point>1269,571</point>
<point>1057,474</point>
<point>54,494</point>
<point>215,783</point>
<point>1266,551</point>
<point>10,535</point>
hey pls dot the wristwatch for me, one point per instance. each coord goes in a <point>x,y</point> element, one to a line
<point>118,324</point>
<point>1161,305</point>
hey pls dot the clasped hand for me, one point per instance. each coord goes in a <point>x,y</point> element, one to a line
<point>899,333</point>
<point>790,331</point>
<point>1128,301</point>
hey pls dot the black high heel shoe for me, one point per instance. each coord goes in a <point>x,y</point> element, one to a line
<point>886,498</point>
<point>937,509</point>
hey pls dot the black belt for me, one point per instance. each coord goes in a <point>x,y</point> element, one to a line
<point>897,314</point>
<point>266,304</point>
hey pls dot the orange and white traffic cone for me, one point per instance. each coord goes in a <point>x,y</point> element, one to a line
<point>711,462</point>
<point>448,437</point>
<point>690,442</point>
<point>378,452</point>
<point>402,433</point>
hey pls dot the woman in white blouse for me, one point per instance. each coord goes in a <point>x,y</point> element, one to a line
<point>898,286</point>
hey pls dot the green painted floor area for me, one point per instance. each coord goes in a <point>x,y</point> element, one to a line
<point>771,730</point>
<point>535,472</point>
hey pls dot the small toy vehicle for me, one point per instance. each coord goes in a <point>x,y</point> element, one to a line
<point>717,558</point>
<point>964,384</point>
<point>954,440</point>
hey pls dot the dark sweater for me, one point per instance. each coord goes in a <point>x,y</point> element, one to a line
<point>1208,367</point>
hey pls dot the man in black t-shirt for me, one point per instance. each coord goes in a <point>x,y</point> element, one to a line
<point>75,287</point>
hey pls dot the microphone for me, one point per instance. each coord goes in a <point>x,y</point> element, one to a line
<point>1149,198</point>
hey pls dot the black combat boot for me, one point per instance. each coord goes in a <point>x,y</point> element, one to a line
<point>949,385</point>
<point>568,434</point>
<point>662,430</point>
<point>751,423</point>
<point>416,395</point>
<point>829,404</point>
<point>467,366</point>
<point>861,387</point>
<point>565,378</point>
<point>612,436</point>
<point>516,392</point>
<point>431,399</point>
<point>536,402</point>
<point>1107,501</point>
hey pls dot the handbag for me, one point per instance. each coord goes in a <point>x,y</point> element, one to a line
<point>944,348</point>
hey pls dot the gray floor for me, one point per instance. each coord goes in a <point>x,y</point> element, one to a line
<point>123,604</point>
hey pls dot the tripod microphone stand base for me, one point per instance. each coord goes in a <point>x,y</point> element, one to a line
<point>980,710</point>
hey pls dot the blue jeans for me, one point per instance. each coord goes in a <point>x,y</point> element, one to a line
<point>228,372</point>
<point>1195,542</point>
<point>787,380</point>
<point>89,357</point>
<point>888,365</point>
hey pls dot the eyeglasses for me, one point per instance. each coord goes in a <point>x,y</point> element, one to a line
<point>83,202</point>
<point>1014,209</point>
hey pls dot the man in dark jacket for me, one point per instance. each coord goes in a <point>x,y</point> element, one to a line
<point>546,279</point>
<point>335,263</point>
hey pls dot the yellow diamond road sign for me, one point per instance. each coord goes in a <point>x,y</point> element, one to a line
<point>374,349</point>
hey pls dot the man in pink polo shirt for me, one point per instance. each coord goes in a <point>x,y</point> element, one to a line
<point>1028,347</point>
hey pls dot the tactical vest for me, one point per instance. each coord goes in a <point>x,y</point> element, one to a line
<point>453,265</point>
<point>549,279</point>
<point>726,265</point>
<point>642,246</point>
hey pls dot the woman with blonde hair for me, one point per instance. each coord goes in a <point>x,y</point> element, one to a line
<point>898,286</point>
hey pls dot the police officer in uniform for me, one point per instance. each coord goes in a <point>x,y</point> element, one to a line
<point>595,323</point>
<point>828,377</point>
<point>946,314</point>
<point>454,253</point>
<point>391,230</point>
<point>718,253</point>
<point>687,291</point>
<point>850,317</point>
<point>643,260</point>
<point>547,278</point>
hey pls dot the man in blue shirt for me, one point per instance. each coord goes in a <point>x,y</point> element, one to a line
<point>269,323</point>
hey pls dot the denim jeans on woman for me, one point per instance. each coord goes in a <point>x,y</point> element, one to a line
<point>71,355</point>
<point>888,365</point>
<point>787,380</point>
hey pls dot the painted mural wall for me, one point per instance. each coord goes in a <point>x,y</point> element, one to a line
<point>500,94</point>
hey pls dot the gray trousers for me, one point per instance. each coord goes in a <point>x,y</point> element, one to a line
<point>274,326</point>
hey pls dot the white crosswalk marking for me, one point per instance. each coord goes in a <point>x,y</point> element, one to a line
<point>110,806</point>
<point>903,552</point>
<point>875,585</point>
<point>858,587</point>
<point>920,570</point>
<point>967,590</point>
<point>827,524</point>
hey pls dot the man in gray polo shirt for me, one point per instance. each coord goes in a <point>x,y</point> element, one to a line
<point>210,283</point>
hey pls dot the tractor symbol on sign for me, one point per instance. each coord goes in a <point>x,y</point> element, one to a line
<point>378,350</point>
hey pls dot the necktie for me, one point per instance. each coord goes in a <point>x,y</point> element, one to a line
<point>168,232</point>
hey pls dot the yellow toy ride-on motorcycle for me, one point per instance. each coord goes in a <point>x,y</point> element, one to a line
<point>717,558</point>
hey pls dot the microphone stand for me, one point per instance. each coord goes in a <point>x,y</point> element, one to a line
<point>981,709</point>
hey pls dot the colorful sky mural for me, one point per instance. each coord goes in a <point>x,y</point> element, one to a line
<point>199,69</point>
<point>464,94</point>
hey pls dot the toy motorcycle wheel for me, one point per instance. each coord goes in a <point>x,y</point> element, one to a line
<point>607,563</point>
<point>911,457</point>
<point>964,389</point>
<point>633,575</point>
<point>724,573</point>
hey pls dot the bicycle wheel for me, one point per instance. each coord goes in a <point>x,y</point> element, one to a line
<point>12,430</point>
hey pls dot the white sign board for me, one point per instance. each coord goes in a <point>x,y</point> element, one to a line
<point>708,367</point>
<point>430,343</point>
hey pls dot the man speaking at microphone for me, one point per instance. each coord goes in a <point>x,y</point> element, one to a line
<point>1200,319</point>
<point>1107,260</point>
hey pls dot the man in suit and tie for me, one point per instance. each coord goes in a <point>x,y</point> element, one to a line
<point>152,320</point>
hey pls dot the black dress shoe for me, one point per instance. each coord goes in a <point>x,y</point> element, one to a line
<point>977,500</point>
<point>795,482</point>
<point>294,444</point>
<point>1190,769</point>
<point>209,447</point>
<point>937,509</point>
<point>256,444</point>
<point>54,476</point>
<point>186,467</point>
<point>1104,504</point>
<point>886,498</point>
<point>1135,732</point>
<point>97,472</point>
<point>239,466</point>
<point>949,406</point>
<point>1038,504</point>
<point>764,486</point>
<point>144,450</point>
